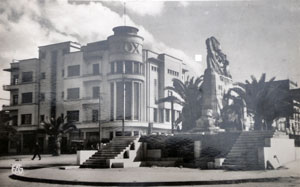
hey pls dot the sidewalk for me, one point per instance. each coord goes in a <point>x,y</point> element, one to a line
<point>46,161</point>
<point>155,176</point>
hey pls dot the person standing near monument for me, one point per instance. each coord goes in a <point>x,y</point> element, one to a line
<point>36,151</point>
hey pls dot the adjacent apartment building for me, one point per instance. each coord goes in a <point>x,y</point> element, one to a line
<point>98,85</point>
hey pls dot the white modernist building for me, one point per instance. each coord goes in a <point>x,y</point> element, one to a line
<point>71,80</point>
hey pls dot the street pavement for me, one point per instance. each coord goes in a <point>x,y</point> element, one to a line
<point>48,169</point>
<point>46,161</point>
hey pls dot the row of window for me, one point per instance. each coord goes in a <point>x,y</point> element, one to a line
<point>74,70</point>
<point>163,115</point>
<point>172,72</point>
<point>154,68</point>
<point>26,119</point>
<point>74,93</point>
<point>127,67</point>
<point>26,98</point>
<point>27,77</point>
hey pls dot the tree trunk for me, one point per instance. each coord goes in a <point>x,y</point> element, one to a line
<point>57,150</point>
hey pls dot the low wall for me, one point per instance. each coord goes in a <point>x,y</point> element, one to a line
<point>154,154</point>
<point>279,152</point>
<point>83,155</point>
<point>208,146</point>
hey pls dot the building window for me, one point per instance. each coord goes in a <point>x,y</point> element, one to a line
<point>63,73</point>
<point>26,119</point>
<point>96,92</point>
<point>42,118</point>
<point>73,93</point>
<point>119,67</point>
<point>95,115</point>
<point>155,90</point>
<point>73,70</point>
<point>112,101</point>
<point>154,68</point>
<point>128,67</point>
<point>96,70</point>
<point>112,67</point>
<point>43,75</point>
<point>27,76</point>
<point>119,100</point>
<point>42,96</point>
<point>15,79</point>
<point>27,97</point>
<point>136,68</point>
<point>136,106</point>
<point>15,99</point>
<point>73,115</point>
<point>154,114</point>
<point>62,95</point>
<point>167,115</point>
<point>174,73</point>
<point>161,115</point>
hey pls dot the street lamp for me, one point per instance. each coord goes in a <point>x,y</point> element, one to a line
<point>124,89</point>
<point>99,116</point>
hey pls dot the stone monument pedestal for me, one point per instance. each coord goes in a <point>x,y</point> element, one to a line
<point>207,124</point>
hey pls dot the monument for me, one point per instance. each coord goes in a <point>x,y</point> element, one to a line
<point>217,81</point>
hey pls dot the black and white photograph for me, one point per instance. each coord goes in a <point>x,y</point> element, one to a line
<point>150,93</point>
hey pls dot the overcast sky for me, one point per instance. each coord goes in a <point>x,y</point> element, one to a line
<point>257,36</point>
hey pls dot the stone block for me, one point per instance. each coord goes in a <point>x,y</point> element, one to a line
<point>82,156</point>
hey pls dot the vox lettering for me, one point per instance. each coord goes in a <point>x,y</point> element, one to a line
<point>129,47</point>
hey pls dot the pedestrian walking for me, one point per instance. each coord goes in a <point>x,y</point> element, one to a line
<point>36,151</point>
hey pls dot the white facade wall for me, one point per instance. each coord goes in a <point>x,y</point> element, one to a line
<point>56,83</point>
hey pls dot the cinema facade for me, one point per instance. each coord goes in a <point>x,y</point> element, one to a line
<point>110,86</point>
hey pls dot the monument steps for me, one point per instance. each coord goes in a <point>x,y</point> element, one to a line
<point>116,149</point>
<point>244,153</point>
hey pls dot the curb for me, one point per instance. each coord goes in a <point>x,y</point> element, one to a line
<point>166,183</point>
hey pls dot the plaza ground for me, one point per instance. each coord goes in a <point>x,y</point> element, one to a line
<point>48,168</point>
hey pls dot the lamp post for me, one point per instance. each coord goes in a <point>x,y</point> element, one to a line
<point>99,117</point>
<point>124,89</point>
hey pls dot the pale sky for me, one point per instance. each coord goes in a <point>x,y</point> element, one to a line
<point>256,36</point>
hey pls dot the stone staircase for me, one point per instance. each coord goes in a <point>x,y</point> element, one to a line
<point>244,155</point>
<point>121,151</point>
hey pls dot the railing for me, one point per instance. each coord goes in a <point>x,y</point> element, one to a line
<point>89,98</point>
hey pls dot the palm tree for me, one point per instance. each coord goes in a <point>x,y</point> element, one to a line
<point>188,96</point>
<point>232,113</point>
<point>56,129</point>
<point>262,100</point>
